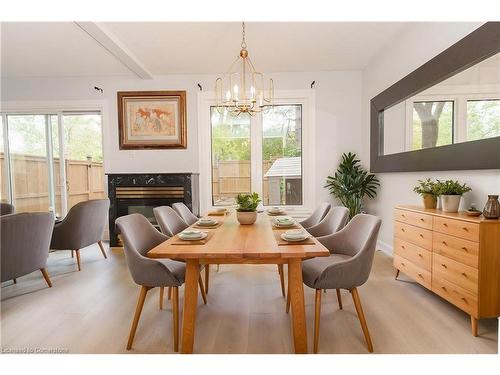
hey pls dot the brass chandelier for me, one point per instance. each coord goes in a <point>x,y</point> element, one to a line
<point>241,88</point>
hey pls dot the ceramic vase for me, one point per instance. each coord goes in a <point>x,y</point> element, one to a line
<point>246,218</point>
<point>430,201</point>
<point>450,203</point>
<point>492,208</point>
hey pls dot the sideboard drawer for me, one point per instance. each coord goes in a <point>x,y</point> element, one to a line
<point>415,235</point>
<point>453,293</point>
<point>418,274</point>
<point>463,251</point>
<point>417,255</point>
<point>413,218</point>
<point>457,228</point>
<point>459,274</point>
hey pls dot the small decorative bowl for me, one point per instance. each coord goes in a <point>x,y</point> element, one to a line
<point>473,213</point>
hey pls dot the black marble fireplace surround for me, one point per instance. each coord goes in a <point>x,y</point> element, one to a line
<point>140,192</point>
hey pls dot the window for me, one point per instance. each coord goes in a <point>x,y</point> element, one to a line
<point>282,155</point>
<point>483,119</point>
<point>269,153</point>
<point>230,156</point>
<point>51,161</point>
<point>432,124</point>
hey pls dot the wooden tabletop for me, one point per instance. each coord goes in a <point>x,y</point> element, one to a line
<point>233,241</point>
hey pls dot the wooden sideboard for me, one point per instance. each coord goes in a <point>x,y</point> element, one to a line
<point>454,255</point>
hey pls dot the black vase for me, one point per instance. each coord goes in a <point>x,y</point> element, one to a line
<point>492,208</point>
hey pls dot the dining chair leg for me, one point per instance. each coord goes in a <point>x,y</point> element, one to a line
<point>15,281</point>
<point>207,277</point>
<point>169,293</point>
<point>102,249</point>
<point>175,315</point>
<point>78,259</point>
<point>339,299</point>
<point>317,317</point>
<point>397,274</point>
<point>202,289</point>
<point>137,315</point>
<point>162,289</point>
<point>72,253</point>
<point>362,320</point>
<point>46,277</point>
<point>282,278</point>
<point>288,301</point>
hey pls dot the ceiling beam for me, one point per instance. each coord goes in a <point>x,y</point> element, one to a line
<point>111,43</point>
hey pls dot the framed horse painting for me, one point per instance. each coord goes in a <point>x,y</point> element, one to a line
<point>152,119</point>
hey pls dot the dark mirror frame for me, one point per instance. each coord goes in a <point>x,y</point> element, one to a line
<point>482,43</point>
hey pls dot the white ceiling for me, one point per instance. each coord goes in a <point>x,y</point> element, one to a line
<point>64,49</point>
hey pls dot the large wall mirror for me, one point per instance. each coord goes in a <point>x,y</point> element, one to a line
<point>446,114</point>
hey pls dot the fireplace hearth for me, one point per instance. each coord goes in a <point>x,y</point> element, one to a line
<point>141,192</point>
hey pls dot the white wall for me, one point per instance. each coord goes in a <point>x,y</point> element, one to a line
<point>399,58</point>
<point>338,115</point>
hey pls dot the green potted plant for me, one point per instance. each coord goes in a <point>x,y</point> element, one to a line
<point>428,189</point>
<point>351,183</point>
<point>246,213</point>
<point>451,192</point>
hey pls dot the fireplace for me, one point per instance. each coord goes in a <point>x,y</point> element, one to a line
<point>140,193</point>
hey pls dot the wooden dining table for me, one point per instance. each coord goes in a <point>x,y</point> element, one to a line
<point>232,243</point>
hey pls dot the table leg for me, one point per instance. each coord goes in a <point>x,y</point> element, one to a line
<point>296,291</point>
<point>190,301</point>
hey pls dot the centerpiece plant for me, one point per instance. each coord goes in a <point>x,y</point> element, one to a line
<point>246,212</point>
<point>451,193</point>
<point>351,183</point>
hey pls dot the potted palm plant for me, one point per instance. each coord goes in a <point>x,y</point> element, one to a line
<point>428,189</point>
<point>451,192</point>
<point>351,183</point>
<point>246,213</point>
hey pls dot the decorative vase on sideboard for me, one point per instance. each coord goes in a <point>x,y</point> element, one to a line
<point>492,208</point>
<point>450,203</point>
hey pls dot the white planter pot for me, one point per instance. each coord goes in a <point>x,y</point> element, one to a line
<point>450,203</point>
<point>246,218</point>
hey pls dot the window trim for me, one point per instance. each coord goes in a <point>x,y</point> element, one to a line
<point>304,97</point>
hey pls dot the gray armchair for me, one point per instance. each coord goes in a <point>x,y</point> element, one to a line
<point>25,240</point>
<point>6,208</point>
<point>185,213</point>
<point>83,226</point>
<point>334,220</point>
<point>348,267</point>
<point>171,224</point>
<point>139,236</point>
<point>318,215</point>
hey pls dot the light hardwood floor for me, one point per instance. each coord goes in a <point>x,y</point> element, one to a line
<point>90,312</point>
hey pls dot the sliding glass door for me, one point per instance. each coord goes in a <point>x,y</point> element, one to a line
<point>51,161</point>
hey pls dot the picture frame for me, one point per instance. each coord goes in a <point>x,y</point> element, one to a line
<point>152,119</point>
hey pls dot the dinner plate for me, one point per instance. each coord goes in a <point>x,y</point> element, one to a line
<point>190,238</point>
<point>207,223</point>
<point>294,239</point>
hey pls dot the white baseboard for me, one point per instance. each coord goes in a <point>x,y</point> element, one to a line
<point>385,247</point>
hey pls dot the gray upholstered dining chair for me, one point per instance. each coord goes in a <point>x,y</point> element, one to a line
<point>169,221</point>
<point>171,224</point>
<point>334,220</point>
<point>348,267</point>
<point>83,226</point>
<point>317,215</point>
<point>185,213</point>
<point>139,236</point>
<point>6,208</point>
<point>25,240</point>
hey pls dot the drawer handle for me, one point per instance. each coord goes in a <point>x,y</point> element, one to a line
<point>464,274</point>
<point>402,264</point>
<point>444,288</point>
<point>445,224</point>
<point>464,299</point>
<point>403,247</point>
<point>421,235</point>
<point>420,255</point>
<point>444,243</point>
<point>420,275</point>
<point>422,219</point>
<point>402,229</point>
<point>403,215</point>
<point>465,249</point>
<point>444,265</point>
<point>465,229</point>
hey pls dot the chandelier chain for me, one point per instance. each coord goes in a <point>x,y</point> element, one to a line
<point>243,41</point>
